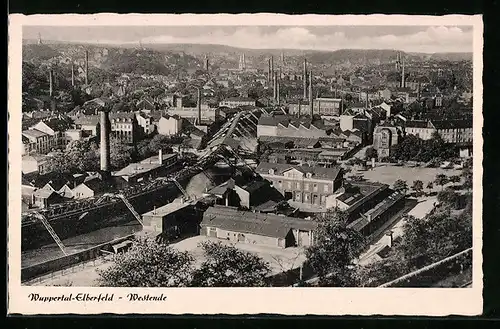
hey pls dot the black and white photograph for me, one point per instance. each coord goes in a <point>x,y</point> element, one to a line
<point>245,156</point>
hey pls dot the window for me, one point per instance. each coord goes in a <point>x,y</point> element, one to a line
<point>306,186</point>
<point>289,185</point>
<point>297,185</point>
<point>315,187</point>
<point>280,183</point>
<point>308,175</point>
<point>325,188</point>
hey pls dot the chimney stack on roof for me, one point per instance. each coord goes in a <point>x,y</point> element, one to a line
<point>160,157</point>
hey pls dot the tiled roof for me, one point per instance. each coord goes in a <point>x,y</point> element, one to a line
<point>136,169</point>
<point>35,157</point>
<point>416,124</point>
<point>57,124</point>
<point>452,124</point>
<point>232,219</point>
<point>34,133</point>
<point>43,193</point>
<point>122,115</point>
<point>280,168</point>
<point>87,120</point>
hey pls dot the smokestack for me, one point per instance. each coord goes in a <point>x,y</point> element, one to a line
<point>51,82</point>
<point>160,157</point>
<point>278,92</point>
<point>206,63</point>
<point>199,105</point>
<point>105,151</point>
<point>269,71</point>
<point>274,85</point>
<point>366,99</point>
<point>402,72</point>
<point>299,108</point>
<point>304,82</point>
<point>86,67</point>
<point>311,106</point>
<point>272,67</point>
<point>72,74</point>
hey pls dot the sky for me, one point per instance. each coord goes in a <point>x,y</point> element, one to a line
<point>426,39</point>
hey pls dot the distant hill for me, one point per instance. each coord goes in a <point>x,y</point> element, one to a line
<point>111,58</point>
<point>193,51</point>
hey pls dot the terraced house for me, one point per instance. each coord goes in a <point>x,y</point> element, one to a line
<point>309,185</point>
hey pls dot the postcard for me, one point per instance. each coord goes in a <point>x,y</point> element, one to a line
<point>245,164</point>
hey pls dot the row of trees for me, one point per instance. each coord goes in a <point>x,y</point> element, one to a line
<point>424,241</point>
<point>413,148</point>
<point>152,264</point>
<point>418,185</point>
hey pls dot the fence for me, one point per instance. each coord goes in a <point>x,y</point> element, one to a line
<point>435,272</point>
<point>39,280</point>
<point>65,262</point>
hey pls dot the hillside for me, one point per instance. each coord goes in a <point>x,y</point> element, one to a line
<point>114,59</point>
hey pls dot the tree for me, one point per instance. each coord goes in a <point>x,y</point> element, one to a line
<point>441,180</point>
<point>121,154</point>
<point>400,185</point>
<point>418,187</point>
<point>148,264</point>
<point>430,186</point>
<point>467,176</point>
<point>454,179</point>
<point>226,266</point>
<point>58,163</point>
<point>331,257</point>
<point>449,197</point>
<point>370,153</point>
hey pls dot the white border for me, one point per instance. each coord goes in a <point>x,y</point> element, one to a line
<point>290,301</point>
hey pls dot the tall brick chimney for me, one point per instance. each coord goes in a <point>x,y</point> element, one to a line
<point>72,74</point>
<point>269,71</point>
<point>51,82</point>
<point>86,67</point>
<point>304,79</point>
<point>104,147</point>
<point>311,106</point>
<point>199,105</point>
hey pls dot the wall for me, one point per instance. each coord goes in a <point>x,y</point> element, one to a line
<point>57,264</point>
<point>267,130</point>
<point>249,238</point>
<point>301,131</point>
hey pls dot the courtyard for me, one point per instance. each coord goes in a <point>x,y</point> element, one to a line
<point>389,174</point>
<point>279,259</point>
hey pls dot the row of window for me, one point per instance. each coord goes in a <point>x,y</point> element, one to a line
<point>297,185</point>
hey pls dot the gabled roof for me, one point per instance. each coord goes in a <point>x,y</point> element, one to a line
<point>96,185</point>
<point>57,124</point>
<point>452,124</point>
<point>416,124</point>
<point>35,157</point>
<point>136,169</point>
<point>281,168</point>
<point>34,133</point>
<point>232,219</point>
<point>87,120</point>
